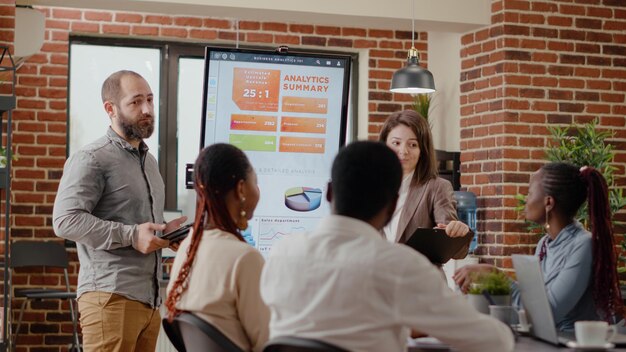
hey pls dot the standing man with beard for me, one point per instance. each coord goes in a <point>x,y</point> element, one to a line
<point>111,201</point>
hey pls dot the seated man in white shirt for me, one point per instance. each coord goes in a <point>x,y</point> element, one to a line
<point>344,284</point>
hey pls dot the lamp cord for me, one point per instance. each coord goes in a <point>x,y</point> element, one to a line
<point>413,23</point>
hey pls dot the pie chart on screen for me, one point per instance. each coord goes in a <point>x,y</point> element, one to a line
<point>303,198</point>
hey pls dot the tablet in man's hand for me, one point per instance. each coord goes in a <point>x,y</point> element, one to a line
<point>177,235</point>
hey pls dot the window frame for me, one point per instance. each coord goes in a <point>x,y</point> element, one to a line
<point>171,52</point>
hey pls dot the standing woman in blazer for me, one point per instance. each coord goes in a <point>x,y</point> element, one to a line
<point>425,200</point>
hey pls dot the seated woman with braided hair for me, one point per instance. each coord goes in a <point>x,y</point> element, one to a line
<point>579,267</point>
<point>216,273</point>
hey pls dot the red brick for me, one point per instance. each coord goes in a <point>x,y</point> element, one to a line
<point>174,32</point>
<point>188,21</point>
<point>318,41</point>
<point>23,185</point>
<point>298,28</point>
<point>128,17</point>
<point>599,12</point>
<point>55,48</point>
<point>69,14</point>
<point>612,97</point>
<point>30,127</point>
<point>98,16</point>
<point>213,23</point>
<point>286,39</point>
<point>31,104</point>
<point>60,36</point>
<point>355,32</point>
<point>53,93</point>
<point>51,70</point>
<point>33,81</point>
<point>572,10</point>
<point>260,37</point>
<point>8,10</point>
<point>387,44</point>
<point>153,19</point>
<point>25,92</point>
<point>340,42</point>
<point>274,27</point>
<point>202,34</point>
<point>381,53</point>
<point>230,35</point>
<point>376,33</point>
<point>377,74</point>
<point>116,29</point>
<point>58,59</point>
<point>361,43</point>
<point>145,30</point>
<point>326,30</point>
<point>32,150</point>
<point>249,25</point>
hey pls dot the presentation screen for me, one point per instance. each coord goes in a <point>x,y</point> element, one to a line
<point>288,113</point>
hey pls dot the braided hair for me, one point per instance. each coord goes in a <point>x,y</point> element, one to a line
<point>217,171</point>
<point>570,187</point>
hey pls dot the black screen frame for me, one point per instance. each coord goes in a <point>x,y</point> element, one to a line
<point>282,53</point>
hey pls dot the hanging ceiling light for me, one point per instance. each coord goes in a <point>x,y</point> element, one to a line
<point>413,78</point>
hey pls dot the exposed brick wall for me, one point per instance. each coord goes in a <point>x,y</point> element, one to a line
<point>40,117</point>
<point>7,34</point>
<point>540,63</point>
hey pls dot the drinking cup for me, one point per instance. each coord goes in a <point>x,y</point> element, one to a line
<point>593,333</point>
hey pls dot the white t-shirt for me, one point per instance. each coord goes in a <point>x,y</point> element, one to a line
<point>391,229</point>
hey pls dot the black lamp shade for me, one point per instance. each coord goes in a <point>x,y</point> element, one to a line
<point>413,79</point>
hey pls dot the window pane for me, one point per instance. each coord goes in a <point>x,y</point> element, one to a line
<point>190,74</point>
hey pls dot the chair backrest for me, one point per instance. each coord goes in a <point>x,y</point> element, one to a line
<point>299,344</point>
<point>38,253</point>
<point>200,336</point>
<point>173,334</point>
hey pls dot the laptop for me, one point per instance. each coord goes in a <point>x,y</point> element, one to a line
<point>535,300</point>
<point>435,245</point>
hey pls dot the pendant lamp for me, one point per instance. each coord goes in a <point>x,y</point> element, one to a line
<point>413,78</point>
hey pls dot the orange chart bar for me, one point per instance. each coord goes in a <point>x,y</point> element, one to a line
<point>302,145</point>
<point>303,124</point>
<point>252,122</point>
<point>306,105</point>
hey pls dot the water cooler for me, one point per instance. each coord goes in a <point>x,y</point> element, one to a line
<point>466,211</point>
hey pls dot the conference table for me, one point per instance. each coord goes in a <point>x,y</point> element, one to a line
<point>523,344</point>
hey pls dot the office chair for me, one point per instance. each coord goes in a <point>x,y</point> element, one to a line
<point>43,254</point>
<point>200,336</point>
<point>173,334</point>
<point>299,344</point>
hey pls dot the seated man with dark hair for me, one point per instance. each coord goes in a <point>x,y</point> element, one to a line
<point>345,285</point>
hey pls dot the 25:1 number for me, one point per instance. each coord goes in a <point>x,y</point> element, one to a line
<point>253,93</point>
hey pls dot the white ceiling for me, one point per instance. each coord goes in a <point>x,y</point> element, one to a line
<point>457,16</point>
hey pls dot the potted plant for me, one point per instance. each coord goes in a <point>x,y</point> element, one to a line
<point>422,104</point>
<point>584,145</point>
<point>3,157</point>
<point>494,283</point>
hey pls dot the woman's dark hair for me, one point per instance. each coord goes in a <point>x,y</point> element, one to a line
<point>426,168</point>
<point>217,171</point>
<point>570,187</point>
